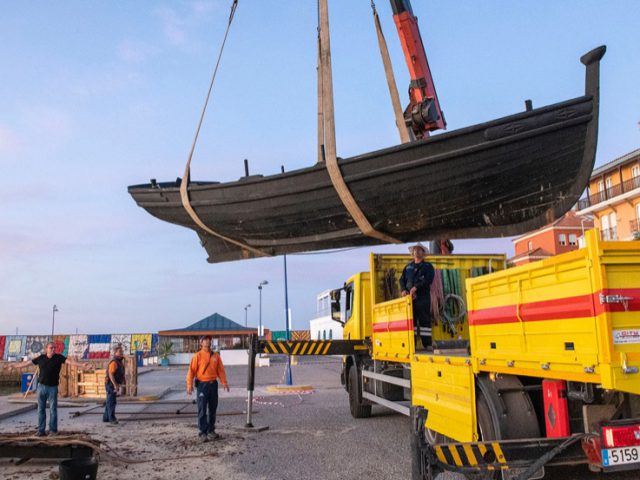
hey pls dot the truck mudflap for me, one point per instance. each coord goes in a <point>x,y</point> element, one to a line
<point>516,459</point>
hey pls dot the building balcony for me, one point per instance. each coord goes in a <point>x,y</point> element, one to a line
<point>609,233</point>
<point>609,193</point>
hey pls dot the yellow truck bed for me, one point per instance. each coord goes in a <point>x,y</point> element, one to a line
<point>574,317</point>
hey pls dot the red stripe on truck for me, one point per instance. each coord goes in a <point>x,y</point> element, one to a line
<point>395,326</point>
<point>557,309</point>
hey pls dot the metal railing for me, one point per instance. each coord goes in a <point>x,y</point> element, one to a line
<point>609,233</point>
<point>609,193</point>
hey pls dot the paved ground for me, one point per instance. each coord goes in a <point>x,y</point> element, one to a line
<point>310,436</point>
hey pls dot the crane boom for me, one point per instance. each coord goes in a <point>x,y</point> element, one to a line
<point>423,114</point>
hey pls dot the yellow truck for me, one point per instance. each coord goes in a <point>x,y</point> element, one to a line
<point>531,366</point>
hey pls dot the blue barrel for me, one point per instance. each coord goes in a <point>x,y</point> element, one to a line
<point>139,358</point>
<point>26,380</point>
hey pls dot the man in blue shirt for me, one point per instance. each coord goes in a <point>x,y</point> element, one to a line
<point>416,281</point>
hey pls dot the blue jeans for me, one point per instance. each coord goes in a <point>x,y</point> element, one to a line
<point>110,405</point>
<point>207,394</point>
<point>45,392</point>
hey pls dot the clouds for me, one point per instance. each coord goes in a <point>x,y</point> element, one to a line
<point>179,23</point>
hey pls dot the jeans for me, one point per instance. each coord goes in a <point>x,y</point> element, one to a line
<point>45,392</point>
<point>207,394</point>
<point>110,405</point>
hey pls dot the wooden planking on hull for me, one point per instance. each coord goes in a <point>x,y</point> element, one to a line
<point>502,177</point>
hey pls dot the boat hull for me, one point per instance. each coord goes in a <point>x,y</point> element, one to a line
<point>499,178</point>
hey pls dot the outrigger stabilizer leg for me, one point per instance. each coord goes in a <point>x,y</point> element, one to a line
<point>253,348</point>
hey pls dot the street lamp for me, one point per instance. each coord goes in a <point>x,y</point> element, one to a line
<point>246,307</point>
<point>264,282</point>
<point>53,319</point>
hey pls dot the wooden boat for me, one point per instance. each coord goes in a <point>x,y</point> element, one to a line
<point>499,178</point>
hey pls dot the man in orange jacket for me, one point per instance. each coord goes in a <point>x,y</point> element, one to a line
<point>206,368</point>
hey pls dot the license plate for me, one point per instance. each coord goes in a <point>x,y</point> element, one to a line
<point>620,456</point>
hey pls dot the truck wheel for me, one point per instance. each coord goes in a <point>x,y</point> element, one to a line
<point>358,410</point>
<point>421,466</point>
<point>486,431</point>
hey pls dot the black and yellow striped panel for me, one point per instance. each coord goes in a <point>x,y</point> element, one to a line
<point>313,347</point>
<point>487,456</point>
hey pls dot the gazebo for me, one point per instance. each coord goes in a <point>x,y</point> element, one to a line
<point>225,335</point>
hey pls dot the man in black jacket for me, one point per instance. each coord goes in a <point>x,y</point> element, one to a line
<point>49,366</point>
<point>416,280</point>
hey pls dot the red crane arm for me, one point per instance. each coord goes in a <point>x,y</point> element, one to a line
<point>423,114</point>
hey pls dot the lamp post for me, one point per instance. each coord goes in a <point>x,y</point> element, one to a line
<point>264,282</point>
<point>246,308</point>
<point>288,376</point>
<point>53,318</point>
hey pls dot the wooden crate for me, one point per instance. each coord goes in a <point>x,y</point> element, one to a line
<point>91,383</point>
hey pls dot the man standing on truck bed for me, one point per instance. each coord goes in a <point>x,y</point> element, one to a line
<point>206,368</point>
<point>416,280</point>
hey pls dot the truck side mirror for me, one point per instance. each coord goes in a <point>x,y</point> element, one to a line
<point>335,305</point>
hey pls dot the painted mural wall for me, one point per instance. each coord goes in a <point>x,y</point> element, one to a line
<point>77,346</point>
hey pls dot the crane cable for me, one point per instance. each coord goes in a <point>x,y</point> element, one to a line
<point>333,168</point>
<point>184,194</point>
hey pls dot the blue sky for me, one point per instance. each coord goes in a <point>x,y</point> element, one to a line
<point>96,96</point>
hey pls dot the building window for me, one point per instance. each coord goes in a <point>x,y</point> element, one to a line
<point>324,334</point>
<point>600,186</point>
<point>562,239</point>
<point>319,335</point>
<point>331,334</point>
<point>608,182</point>
<point>530,245</point>
<point>635,176</point>
<point>613,222</point>
<point>573,240</point>
<point>605,227</point>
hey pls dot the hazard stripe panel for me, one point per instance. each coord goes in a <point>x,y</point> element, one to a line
<point>313,347</point>
<point>504,455</point>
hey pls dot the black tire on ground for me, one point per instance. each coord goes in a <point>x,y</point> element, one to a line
<point>357,409</point>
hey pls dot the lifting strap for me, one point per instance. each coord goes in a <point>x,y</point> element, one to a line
<point>391,80</point>
<point>330,135</point>
<point>186,179</point>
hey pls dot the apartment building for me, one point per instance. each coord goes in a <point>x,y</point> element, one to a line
<point>613,198</point>
<point>560,236</point>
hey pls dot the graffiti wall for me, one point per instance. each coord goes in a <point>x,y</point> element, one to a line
<point>62,344</point>
<point>78,346</point>
<point>36,345</point>
<point>15,346</point>
<point>141,342</point>
<point>124,340</point>
<point>99,346</point>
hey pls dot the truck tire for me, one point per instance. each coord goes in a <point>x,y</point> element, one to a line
<point>421,468</point>
<point>486,431</point>
<point>356,407</point>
